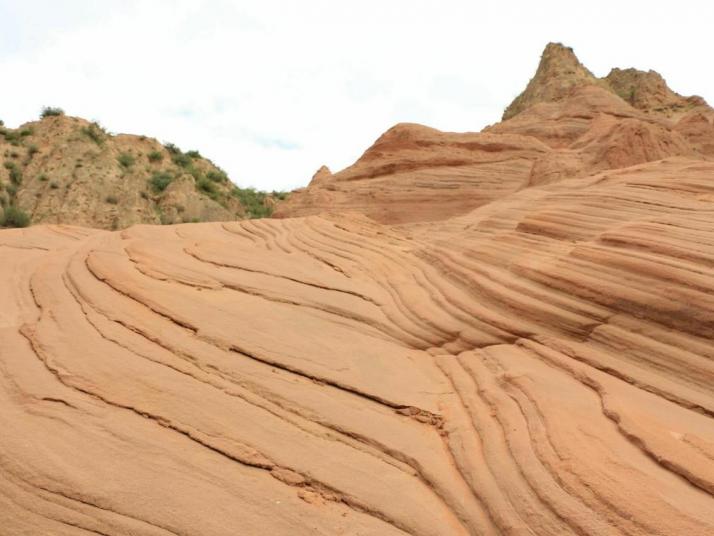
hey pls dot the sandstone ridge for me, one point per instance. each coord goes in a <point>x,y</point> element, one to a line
<point>566,124</point>
<point>505,333</point>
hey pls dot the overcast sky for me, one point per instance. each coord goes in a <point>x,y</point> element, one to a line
<point>272,89</point>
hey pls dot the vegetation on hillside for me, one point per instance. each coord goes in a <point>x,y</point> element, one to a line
<point>49,173</point>
<point>51,111</point>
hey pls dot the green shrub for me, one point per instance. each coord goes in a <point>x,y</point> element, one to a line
<point>12,136</point>
<point>171,148</point>
<point>155,156</point>
<point>95,132</point>
<point>182,160</point>
<point>126,160</point>
<point>26,132</point>
<point>196,173</point>
<point>217,176</point>
<point>159,181</point>
<point>281,196</point>
<point>111,199</point>
<point>193,154</point>
<point>15,173</point>
<point>207,187</point>
<point>32,150</point>
<point>253,202</point>
<point>43,178</point>
<point>14,217</point>
<point>51,111</point>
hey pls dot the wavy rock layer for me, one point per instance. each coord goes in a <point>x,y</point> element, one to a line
<point>542,365</point>
<point>566,124</point>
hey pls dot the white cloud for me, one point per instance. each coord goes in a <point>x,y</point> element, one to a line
<point>271,90</point>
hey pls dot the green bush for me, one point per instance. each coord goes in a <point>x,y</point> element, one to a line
<point>26,132</point>
<point>281,196</point>
<point>126,160</point>
<point>171,148</point>
<point>15,172</point>
<point>14,217</point>
<point>217,176</point>
<point>32,150</point>
<point>95,132</point>
<point>207,187</point>
<point>193,154</point>
<point>253,202</point>
<point>51,111</point>
<point>12,136</point>
<point>182,160</point>
<point>159,181</point>
<point>155,156</point>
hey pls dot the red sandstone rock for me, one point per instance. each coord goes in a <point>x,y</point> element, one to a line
<point>531,355</point>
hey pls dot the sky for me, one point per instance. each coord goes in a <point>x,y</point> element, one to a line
<point>270,90</point>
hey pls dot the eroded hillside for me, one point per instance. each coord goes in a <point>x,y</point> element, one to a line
<point>67,170</point>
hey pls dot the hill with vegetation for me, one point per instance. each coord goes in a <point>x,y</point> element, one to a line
<point>62,169</point>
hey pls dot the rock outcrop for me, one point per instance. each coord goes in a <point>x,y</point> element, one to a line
<point>566,124</point>
<point>533,358</point>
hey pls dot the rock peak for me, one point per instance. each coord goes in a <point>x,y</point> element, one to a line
<point>558,73</point>
<point>648,91</point>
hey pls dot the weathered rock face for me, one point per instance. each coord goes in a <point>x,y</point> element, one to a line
<point>540,364</point>
<point>566,124</point>
<point>415,173</point>
<point>648,91</point>
<point>68,170</point>
<point>527,368</point>
<point>558,74</point>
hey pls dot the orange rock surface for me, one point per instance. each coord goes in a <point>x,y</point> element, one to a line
<point>533,356</point>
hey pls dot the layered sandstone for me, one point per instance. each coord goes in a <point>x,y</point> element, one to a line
<point>534,361</point>
<point>566,124</point>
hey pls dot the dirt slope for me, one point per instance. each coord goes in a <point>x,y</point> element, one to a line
<point>67,170</point>
<point>539,361</point>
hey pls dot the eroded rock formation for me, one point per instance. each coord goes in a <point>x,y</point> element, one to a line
<point>540,364</point>
<point>567,123</point>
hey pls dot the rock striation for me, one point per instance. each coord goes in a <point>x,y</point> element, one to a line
<point>566,124</point>
<point>537,361</point>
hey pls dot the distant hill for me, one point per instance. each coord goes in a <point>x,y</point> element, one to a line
<point>63,169</point>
